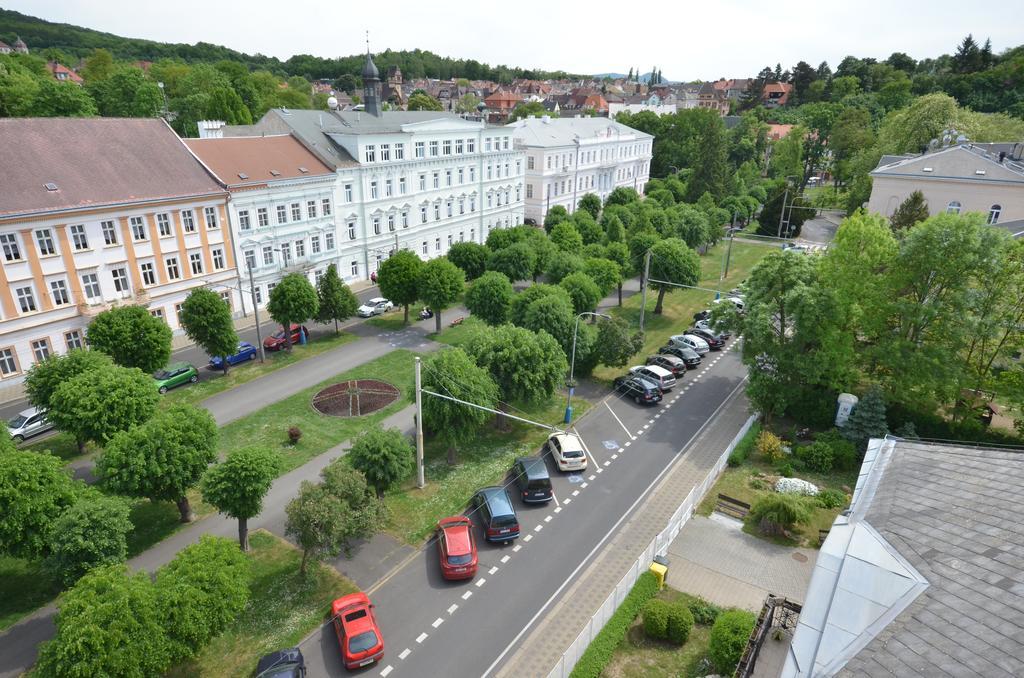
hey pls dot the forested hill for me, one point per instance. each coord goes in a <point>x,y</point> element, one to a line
<point>68,44</point>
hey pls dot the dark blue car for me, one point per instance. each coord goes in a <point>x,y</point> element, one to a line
<point>246,351</point>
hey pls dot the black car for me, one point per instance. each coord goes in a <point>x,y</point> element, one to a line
<point>494,511</point>
<point>702,315</point>
<point>640,390</point>
<point>282,664</point>
<point>715,341</point>
<point>532,478</point>
<point>673,364</point>
<point>687,354</point>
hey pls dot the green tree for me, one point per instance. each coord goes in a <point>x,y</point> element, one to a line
<point>777,513</point>
<point>587,227</point>
<point>421,101</point>
<point>45,376</point>
<point>566,237</point>
<point>201,591</point>
<point>616,343</point>
<point>554,315</point>
<point>440,283</point>
<point>132,337</point>
<point>728,640</point>
<point>673,262</point>
<point>236,487</point>
<point>563,263</point>
<point>126,93</point>
<point>622,196</point>
<point>349,485</point>
<point>335,300</point>
<point>467,103</point>
<point>867,420</point>
<point>292,302</point>
<point>555,216</point>
<point>639,243</point>
<point>384,456</point>
<point>34,489</point>
<point>522,300</point>
<point>911,211</point>
<point>90,533</point>
<point>317,522</point>
<point>528,108</point>
<point>398,278</point>
<point>206,319</point>
<point>163,458</point>
<point>517,261</point>
<point>605,272</point>
<point>98,66</point>
<point>453,372</point>
<point>591,203</point>
<point>614,231</point>
<point>471,257</point>
<point>711,169</point>
<point>489,298</point>
<point>62,100</point>
<point>583,291</point>
<point>98,404</point>
<point>618,252</point>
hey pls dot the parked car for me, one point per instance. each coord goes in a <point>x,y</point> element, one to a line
<point>687,354</point>
<point>494,511</point>
<point>374,306</point>
<point>736,301</point>
<point>702,315</point>
<point>706,325</point>
<point>282,664</point>
<point>175,374</point>
<point>276,342</point>
<point>356,627</point>
<point>456,547</point>
<point>660,376</point>
<point>640,390</point>
<point>696,343</point>
<point>567,451</point>
<point>668,362</point>
<point>531,477</point>
<point>714,340</point>
<point>795,247</point>
<point>28,423</point>
<point>243,353</point>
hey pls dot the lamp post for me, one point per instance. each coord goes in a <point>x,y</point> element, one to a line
<point>572,361</point>
<point>255,311</point>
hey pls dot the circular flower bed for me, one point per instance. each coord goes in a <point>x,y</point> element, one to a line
<point>354,398</point>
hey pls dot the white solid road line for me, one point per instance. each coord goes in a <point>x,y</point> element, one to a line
<point>404,653</point>
<point>584,444</point>
<point>420,638</point>
<point>617,419</point>
<point>387,669</point>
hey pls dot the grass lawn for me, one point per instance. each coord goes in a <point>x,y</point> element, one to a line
<point>461,333</point>
<point>25,585</point>
<point>394,321</point>
<point>283,610</point>
<point>62,445</point>
<point>269,426</point>
<point>413,513</point>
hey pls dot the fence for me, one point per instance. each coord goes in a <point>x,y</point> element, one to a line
<point>658,546</point>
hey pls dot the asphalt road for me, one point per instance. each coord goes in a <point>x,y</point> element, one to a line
<point>432,627</point>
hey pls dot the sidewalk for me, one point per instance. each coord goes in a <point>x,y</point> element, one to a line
<point>540,651</point>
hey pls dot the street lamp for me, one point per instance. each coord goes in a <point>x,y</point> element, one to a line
<point>255,310</point>
<point>572,361</point>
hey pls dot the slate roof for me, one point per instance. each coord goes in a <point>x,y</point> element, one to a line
<point>534,132</point>
<point>985,160</point>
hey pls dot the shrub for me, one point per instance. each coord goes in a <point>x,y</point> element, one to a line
<point>785,470</point>
<point>656,614</point>
<point>757,484</point>
<point>294,433</point>
<point>680,621</point>
<point>742,450</point>
<point>830,499</point>
<point>600,650</point>
<point>90,533</point>
<point>844,453</point>
<point>777,513</point>
<point>728,639</point>
<point>734,460</point>
<point>817,456</point>
<point>704,612</point>
<point>769,446</point>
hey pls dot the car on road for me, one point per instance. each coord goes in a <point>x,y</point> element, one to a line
<point>374,306</point>
<point>668,362</point>
<point>567,451</point>
<point>494,511</point>
<point>175,374</point>
<point>276,342</point>
<point>687,354</point>
<point>531,477</point>
<point>28,423</point>
<point>456,548</point>
<point>282,664</point>
<point>358,634</point>
<point>243,353</point>
<point>660,376</point>
<point>796,247</point>
<point>640,390</point>
<point>706,325</point>
<point>736,301</point>
<point>714,340</point>
<point>702,315</point>
<point>694,342</point>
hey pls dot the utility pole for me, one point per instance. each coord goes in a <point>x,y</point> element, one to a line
<point>643,288</point>
<point>728,254</point>
<point>255,313</point>
<point>571,384</point>
<point>782,214</point>
<point>420,480</point>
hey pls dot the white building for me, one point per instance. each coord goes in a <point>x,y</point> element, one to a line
<point>566,158</point>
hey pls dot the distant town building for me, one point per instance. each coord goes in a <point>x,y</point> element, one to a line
<point>713,98</point>
<point>643,102</point>
<point>62,73</point>
<point>776,94</point>
<point>20,47</point>
<point>5,48</point>
<point>500,105</point>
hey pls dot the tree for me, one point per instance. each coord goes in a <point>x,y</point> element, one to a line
<point>867,420</point>
<point>335,301</point>
<point>237,486</point>
<point>561,264</point>
<point>554,315</point>
<point>440,283</point>
<point>206,319</point>
<point>711,170</point>
<point>591,203</point>
<point>614,231</point>
<point>316,521</point>
<point>90,533</point>
<point>616,343</point>
<point>797,211</point>
<point>583,291</point>
<point>98,66</point>
<point>606,273</point>
<point>911,211</point>
<point>350,486</point>
<point>45,376</point>
<point>517,261</point>
<point>673,262</point>
<point>163,458</point>
<point>398,278</point>
<point>421,101</point>
<point>98,404</point>
<point>201,591</point>
<point>471,257</point>
<point>126,93</point>
<point>639,243</point>
<point>467,103</point>
<point>62,100</point>
<point>522,300</point>
<point>621,196</point>
<point>109,624</point>
<point>777,513</point>
<point>530,108</point>
<point>489,298</point>
<point>566,237</point>
<point>346,82</point>
<point>132,337</point>
<point>292,302</point>
<point>384,456</point>
<point>453,372</point>
<point>618,253</point>
<point>729,637</point>
<point>34,489</point>
<point>555,216</point>
<point>587,227</point>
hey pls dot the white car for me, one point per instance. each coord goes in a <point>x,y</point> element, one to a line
<point>28,423</point>
<point>567,451</point>
<point>690,341</point>
<point>736,301</point>
<point>664,379</point>
<point>374,306</point>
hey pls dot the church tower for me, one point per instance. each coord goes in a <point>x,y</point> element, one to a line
<point>371,87</point>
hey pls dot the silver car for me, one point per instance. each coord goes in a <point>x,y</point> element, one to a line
<point>690,341</point>
<point>28,423</point>
<point>374,306</point>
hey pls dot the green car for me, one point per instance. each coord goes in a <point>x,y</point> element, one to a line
<point>175,374</point>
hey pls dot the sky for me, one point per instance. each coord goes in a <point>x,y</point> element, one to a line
<point>686,40</point>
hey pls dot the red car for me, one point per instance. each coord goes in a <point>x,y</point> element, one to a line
<point>456,548</point>
<point>358,634</point>
<point>276,342</point>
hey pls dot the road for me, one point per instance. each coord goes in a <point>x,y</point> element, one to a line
<point>436,628</point>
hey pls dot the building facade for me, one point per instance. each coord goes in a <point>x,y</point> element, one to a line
<point>566,158</point>
<point>99,212</point>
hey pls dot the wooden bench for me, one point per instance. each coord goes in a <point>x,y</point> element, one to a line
<point>734,508</point>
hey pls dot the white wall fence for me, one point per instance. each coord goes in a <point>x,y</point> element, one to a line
<point>658,546</point>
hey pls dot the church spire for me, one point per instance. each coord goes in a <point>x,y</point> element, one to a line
<point>371,83</point>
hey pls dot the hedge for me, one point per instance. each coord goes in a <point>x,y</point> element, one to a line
<point>728,639</point>
<point>600,651</point>
<point>680,622</point>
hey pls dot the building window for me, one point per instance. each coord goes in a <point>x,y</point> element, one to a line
<point>195,262</point>
<point>423,214</point>
<point>244,223</point>
<point>314,244</point>
<point>348,193</point>
<point>270,289</point>
<point>282,214</point>
<point>163,224</point>
<point>487,144</point>
<point>433,149</point>
<point>458,146</point>
<point>268,255</point>
<point>447,177</point>
<point>472,174</point>
<point>26,300</point>
<point>226,298</point>
<point>437,179</point>
<point>461,176</point>
<point>138,229</point>
<point>60,292</point>
<point>418,151</point>
<point>373,190</point>
<point>355,268</point>
<point>296,211</point>
<point>300,248</point>
<point>259,294</point>
<point>218,258</point>
<point>73,339</point>
<point>423,182</point>
<point>376,225</point>
<point>447,147</point>
<point>157,313</point>
<point>188,219</point>
<point>8,365</point>
<point>250,258</point>
<point>519,167</point>
<point>351,230</point>
<point>504,143</point>
<point>953,207</point>
<point>385,152</point>
<point>11,250</point>
<point>210,214</point>
<point>401,185</point>
<point>449,241</point>
<point>462,206</point>
<point>78,237</point>
<point>519,193</point>
<point>120,277</point>
<point>399,151</point>
<point>371,153</point>
<point>437,244</point>
<point>424,246</point>
<point>470,145</point>
<point>91,286</point>
<point>529,191</point>
<point>507,170</point>
<point>993,213</point>
<point>318,274</point>
<point>41,349</point>
<point>472,204</point>
<point>405,218</point>
<point>325,206</point>
<point>286,253</point>
<point>489,172</point>
<point>529,162</point>
<point>448,208</point>
<point>262,217</point>
<point>148,274</point>
<point>45,241</point>
<point>437,211</point>
<point>311,209</point>
<point>387,188</point>
<point>329,240</point>
<point>173,272</point>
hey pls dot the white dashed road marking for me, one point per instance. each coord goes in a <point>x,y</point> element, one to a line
<point>492,570</point>
<point>404,653</point>
<point>420,638</point>
<point>454,606</point>
<point>575,493</point>
<point>567,501</point>
<point>438,622</point>
<point>466,595</point>
<point>388,669</point>
<point>505,559</point>
<point>583,485</point>
<point>538,528</point>
<point>558,509</point>
<point>547,519</point>
<point>480,582</point>
<point>528,537</point>
<point>515,549</point>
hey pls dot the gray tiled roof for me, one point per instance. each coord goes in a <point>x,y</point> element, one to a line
<point>534,132</point>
